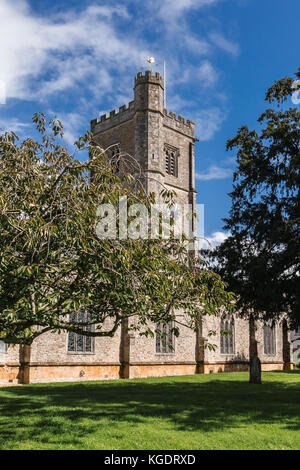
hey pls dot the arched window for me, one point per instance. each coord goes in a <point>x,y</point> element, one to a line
<point>2,347</point>
<point>165,339</point>
<point>227,335</point>
<point>269,340</point>
<point>80,343</point>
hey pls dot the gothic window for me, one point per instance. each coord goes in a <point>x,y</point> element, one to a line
<point>113,155</point>
<point>165,340</point>
<point>269,340</point>
<point>80,343</point>
<point>227,335</point>
<point>171,159</point>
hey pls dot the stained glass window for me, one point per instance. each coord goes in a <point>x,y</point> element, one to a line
<point>227,335</point>
<point>80,343</point>
<point>165,339</point>
<point>269,340</point>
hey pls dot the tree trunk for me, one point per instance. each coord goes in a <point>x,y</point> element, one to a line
<point>255,364</point>
<point>286,347</point>
<point>24,358</point>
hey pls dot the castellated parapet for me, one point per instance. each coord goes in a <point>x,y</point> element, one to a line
<point>143,102</point>
<point>178,123</point>
<point>147,131</point>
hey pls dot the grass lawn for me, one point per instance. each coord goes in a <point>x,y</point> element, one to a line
<point>192,412</point>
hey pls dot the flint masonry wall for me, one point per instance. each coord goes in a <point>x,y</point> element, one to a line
<point>10,365</point>
<point>145,361</point>
<point>214,361</point>
<point>48,360</point>
<point>51,361</point>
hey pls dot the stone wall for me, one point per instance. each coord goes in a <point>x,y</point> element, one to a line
<point>135,356</point>
<point>239,360</point>
<point>142,129</point>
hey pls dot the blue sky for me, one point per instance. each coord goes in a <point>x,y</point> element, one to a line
<point>77,59</point>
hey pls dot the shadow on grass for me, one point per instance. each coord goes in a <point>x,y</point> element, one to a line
<point>68,413</point>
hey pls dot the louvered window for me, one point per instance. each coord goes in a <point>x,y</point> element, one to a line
<point>171,160</point>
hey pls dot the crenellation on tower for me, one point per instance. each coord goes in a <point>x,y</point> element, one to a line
<point>113,118</point>
<point>145,130</point>
<point>148,77</point>
<point>179,123</point>
<point>147,97</point>
<point>93,123</point>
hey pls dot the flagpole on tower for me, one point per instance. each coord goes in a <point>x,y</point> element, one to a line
<point>165,85</point>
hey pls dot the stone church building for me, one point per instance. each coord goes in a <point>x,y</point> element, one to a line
<point>164,146</point>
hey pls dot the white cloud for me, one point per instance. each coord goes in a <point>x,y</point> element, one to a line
<point>214,240</point>
<point>173,9</point>
<point>208,122</point>
<point>207,74</point>
<point>204,73</point>
<point>13,125</point>
<point>45,55</point>
<point>225,44</point>
<point>214,172</point>
<point>87,52</point>
<point>68,49</point>
<point>229,161</point>
<point>196,45</point>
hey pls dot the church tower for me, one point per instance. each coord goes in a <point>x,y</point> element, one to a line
<point>161,142</point>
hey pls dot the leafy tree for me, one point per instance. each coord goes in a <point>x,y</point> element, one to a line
<point>52,262</point>
<point>261,258</point>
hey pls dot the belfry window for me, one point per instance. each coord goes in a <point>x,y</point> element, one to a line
<point>171,160</point>
<point>269,340</point>
<point>165,339</point>
<point>80,343</point>
<point>227,335</point>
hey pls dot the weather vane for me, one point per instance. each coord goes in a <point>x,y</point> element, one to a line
<point>151,60</point>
